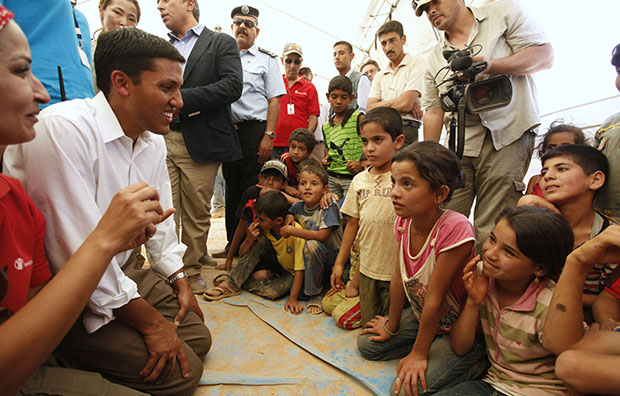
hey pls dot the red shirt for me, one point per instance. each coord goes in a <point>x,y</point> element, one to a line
<point>303,95</point>
<point>22,231</point>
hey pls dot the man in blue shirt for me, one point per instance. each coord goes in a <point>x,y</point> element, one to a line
<point>255,113</point>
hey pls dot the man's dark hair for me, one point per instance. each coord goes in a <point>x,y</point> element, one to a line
<point>342,83</point>
<point>615,56</point>
<point>131,51</point>
<point>305,136</point>
<point>588,158</point>
<point>196,10</point>
<point>346,44</point>
<point>389,119</point>
<point>370,62</point>
<point>545,237</point>
<point>391,26</point>
<point>317,170</point>
<point>272,204</point>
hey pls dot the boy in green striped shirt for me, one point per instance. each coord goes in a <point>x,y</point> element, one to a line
<point>343,144</point>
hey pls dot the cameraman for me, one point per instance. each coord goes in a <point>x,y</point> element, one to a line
<point>498,143</point>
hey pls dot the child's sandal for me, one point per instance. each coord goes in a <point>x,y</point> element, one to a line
<point>223,291</point>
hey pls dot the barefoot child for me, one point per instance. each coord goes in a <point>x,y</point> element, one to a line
<point>372,216</point>
<point>426,291</point>
<point>521,260</point>
<point>321,228</point>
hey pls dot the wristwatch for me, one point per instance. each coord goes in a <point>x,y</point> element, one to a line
<point>178,276</point>
<point>271,134</point>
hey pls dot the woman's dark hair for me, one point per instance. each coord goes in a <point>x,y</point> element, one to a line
<point>436,164</point>
<point>103,4</point>
<point>542,235</point>
<point>559,126</point>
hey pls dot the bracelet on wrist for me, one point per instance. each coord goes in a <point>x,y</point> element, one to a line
<point>388,330</point>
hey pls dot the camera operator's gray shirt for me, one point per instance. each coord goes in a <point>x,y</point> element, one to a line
<point>502,28</point>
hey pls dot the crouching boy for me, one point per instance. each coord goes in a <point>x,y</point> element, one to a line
<point>270,265</point>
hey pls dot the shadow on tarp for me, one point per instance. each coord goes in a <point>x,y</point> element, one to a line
<point>317,334</point>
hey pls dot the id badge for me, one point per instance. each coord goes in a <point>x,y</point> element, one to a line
<point>290,109</point>
<point>83,57</point>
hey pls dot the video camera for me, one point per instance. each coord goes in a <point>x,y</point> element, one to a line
<point>468,95</point>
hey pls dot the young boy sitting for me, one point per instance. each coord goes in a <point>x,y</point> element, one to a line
<point>301,144</point>
<point>272,176</point>
<point>270,264</point>
<point>343,145</point>
<point>571,176</point>
<point>372,216</point>
<point>321,227</point>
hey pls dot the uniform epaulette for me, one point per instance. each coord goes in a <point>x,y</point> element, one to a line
<point>264,51</point>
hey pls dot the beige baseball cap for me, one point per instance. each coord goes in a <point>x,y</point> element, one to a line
<point>291,48</point>
<point>417,6</point>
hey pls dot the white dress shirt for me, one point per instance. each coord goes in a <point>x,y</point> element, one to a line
<point>79,159</point>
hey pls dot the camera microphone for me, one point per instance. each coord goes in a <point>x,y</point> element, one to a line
<point>461,63</point>
<point>448,53</point>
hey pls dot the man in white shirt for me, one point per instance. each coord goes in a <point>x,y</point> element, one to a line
<point>399,85</point>
<point>343,56</point>
<point>137,324</point>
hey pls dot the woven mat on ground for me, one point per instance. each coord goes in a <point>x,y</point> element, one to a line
<point>247,352</point>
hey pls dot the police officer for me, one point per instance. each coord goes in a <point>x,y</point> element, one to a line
<point>255,114</point>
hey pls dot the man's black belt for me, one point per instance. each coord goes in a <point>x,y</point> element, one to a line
<point>343,176</point>
<point>238,124</point>
<point>413,123</point>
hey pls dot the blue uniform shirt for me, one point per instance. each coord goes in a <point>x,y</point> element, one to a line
<point>262,80</point>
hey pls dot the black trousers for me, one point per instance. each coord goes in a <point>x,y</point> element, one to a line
<point>243,173</point>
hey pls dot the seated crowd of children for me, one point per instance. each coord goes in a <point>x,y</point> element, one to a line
<point>367,231</point>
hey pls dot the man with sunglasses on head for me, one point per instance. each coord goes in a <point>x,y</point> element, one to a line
<point>499,142</point>
<point>299,108</point>
<point>202,133</point>
<point>255,113</point>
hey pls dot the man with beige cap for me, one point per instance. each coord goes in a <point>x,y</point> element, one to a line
<point>299,108</point>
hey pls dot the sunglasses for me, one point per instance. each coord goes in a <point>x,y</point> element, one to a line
<point>5,313</point>
<point>247,22</point>
<point>289,61</point>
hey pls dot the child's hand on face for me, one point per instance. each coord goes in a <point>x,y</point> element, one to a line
<point>603,248</point>
<point>253,231</point>
<point>354,167</point>
<point>476,284</point>
<point>377,326</point>
<point>292,191</point>
<point>351,291</point>
<point>294,307</point>
<point>264,189</point>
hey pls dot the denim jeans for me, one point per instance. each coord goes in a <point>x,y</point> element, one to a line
<point>261,256</point>
<point>445,368</point>
<point>469,388</point>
